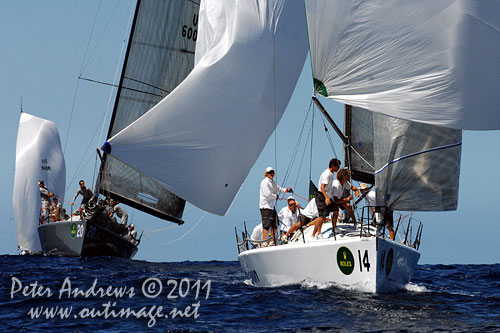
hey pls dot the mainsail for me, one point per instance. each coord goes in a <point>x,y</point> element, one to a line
<point>415,166</point>
<point>436,62</point>
<point>38,157</point>
<point>203,138</point>
<point>160,55</point>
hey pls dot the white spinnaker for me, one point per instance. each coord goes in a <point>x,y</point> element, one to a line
<point>203,138</point>
<point>436,62</point>
<point>38,157</point>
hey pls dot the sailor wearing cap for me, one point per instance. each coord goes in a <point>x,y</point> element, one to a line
<point>369,197</point>
<point>288,215</point>
<point>268,194</point>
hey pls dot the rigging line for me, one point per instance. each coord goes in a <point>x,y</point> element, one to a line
<point>84,155</point>
<point>77,82</point>
<point>311,156</point>
<point>194,226</point>
<point>117,71</point>
<point>90,37</point>
<point>361,157</point>
<point>100,37</point>
<point>70,117</point>
<point>117,86</point>
<point>274,100</point>
<point>295,194</point>
<point>303,155</point>
<point>418,153</point>
<point>94,173</point>
<point>161,229</point>
<point>328,136</point>
<point>297,146</point>
<point>147,84</point>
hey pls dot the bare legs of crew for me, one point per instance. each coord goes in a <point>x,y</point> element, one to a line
<point>266,233</point>
<point>351,213</point>
<point>391,232</point>
<point>318,224</point>
<point>292,229</point>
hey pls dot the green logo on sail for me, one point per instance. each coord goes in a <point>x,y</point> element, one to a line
<point>345,260</point>
<point>73,230</point>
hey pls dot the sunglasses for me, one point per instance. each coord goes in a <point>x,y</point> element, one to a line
<point>291,204</point>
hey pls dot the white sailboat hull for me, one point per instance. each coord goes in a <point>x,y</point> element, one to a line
<point>369,263</point>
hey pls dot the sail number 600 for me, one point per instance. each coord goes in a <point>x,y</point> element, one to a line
<point>190,33</point>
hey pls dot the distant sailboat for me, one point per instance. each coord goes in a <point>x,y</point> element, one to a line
<point>392,63</point>
<point>38,157</point>
<point>159,56</point>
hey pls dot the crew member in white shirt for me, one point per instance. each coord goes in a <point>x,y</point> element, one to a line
<point>340,185</point>
<point>288,215</point>
<point>324,198</point>
<point>306,215</point>
<point>268,194</point>
<point>370,200</point>
<point>369,197</point>
<point>256,234</point>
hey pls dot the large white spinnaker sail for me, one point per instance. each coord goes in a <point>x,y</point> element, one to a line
<point>436,62</point>
<point>38,157</point>
<point>203,138</point>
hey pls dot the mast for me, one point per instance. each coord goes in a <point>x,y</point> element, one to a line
<point>347,131</point>
<point>115,106</point>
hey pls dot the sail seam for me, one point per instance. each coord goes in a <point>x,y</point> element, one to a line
<point>418,153</point>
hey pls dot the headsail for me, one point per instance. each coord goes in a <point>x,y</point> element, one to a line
<point>38,157</point>
<point>159,56</point>
<point>203,138</point>
<point>436,62</point>
<point>415,166</point>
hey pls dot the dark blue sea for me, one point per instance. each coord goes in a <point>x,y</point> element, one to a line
<point>56,294</point>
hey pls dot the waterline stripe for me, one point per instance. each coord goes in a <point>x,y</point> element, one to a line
<point>418,153</point>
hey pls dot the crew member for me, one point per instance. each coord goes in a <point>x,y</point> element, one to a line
<point>86,196</point>
<point>120,212</point>
<point>268,194</point>
<point>45,196</point>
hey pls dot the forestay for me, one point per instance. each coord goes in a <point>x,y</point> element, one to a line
<point>160,55</point>
<point>38,157</point>
<point>203,138</point>
<point>436,62</point>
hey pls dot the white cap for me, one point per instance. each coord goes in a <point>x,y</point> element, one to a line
<point>269,169</point>
<point>363,186</point>
<point>131,226</point>
<point>290,197</point>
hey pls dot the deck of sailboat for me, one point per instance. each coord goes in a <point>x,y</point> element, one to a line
<point>353,256</point>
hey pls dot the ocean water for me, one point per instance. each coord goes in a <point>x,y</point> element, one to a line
<point>56,294</point>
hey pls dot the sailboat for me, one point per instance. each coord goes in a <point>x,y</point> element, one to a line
<point>39,157</point>
<point>412,76</point>
<point>159,55</point>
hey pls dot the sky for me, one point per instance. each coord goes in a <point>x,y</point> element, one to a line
<point>46,46</point>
